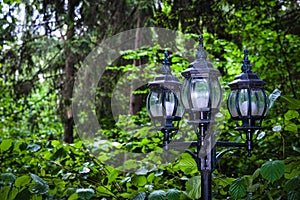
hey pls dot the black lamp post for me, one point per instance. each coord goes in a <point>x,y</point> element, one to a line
<point>201,97</point>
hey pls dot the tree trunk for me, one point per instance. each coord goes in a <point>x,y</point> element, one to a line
<point>136,100</point>
<point>69,77</point>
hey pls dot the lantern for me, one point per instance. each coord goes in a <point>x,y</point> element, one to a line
<point>163,102</point>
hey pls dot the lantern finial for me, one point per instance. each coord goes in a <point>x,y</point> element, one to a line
<point>166,64</point>
<point>246,67</point>
<point>201,53</point>
<point>200,39</point>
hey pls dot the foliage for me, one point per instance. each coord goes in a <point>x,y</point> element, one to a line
<point>36,164</point>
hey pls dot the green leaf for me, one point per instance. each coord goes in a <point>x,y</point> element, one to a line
<point>293,195</point>
<point>85,193</point>
<point>157,195</point>
<point>173,194</point>
<point>272,170</point>
<point>139,196</point>
<point>238,188</point>
<point>61,152</point>
<point>256,174</point>
<point>41,187</point>
<point>193,187</point>
<point>139,180</point>
<point>22,181</point>
<point>7,178</point>
<point>291,114</point>
<point>104,191</point>
<point>291,102</point>
<point>33,147</point>
<point>23,195</point>
<point>74,196</point>
<point>6,144</point>
<point>290,126</point>
<point>142,171</point>
<point>187,164</point>
<point>292,184</point>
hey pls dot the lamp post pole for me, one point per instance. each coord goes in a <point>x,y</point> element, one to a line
<point>201,96</point>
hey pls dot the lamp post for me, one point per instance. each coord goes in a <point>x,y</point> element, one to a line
<point>201,97</point>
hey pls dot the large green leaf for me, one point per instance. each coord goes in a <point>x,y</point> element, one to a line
<point>85,193</point>
<point>7,178</point>
<point>292,184</point>
<point>41,187</point>
<point>293,195</point>
<point>139,196</point>
<point>238,188</point>
<point>193,187</point>
<point>6,144</point>
<point>272,170</point>
<point>187,164</point>
<point>139,180</point>
<point>157,195</point>
<point>291,114</point>
<point>22,181</point>
<point>173,194</point>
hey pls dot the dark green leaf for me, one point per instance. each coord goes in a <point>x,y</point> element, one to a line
<point>157,195</point>
<point>139,196</point>
<point>292,184</point>
<point>238,188</point>
<point>85,193</point>
<point>41,187</point>
<point>7,178</point>
<point>294,195</point>
<point>173,194</point>
<point>61,152</point>
<point>23,195</point>
<point>272,170</point>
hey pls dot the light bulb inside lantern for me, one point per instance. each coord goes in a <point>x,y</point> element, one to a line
<point>199,99</point>
<point>169,108</point>
<point>245,107</point>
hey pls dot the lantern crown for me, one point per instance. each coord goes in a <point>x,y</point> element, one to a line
<point>166,78</point>
<point>247,79</point>
<point>200,67</point>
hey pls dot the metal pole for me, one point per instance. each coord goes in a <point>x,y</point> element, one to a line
<point>206,188</point>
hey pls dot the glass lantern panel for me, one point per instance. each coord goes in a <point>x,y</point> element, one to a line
<point>216,93</point>
<point>232,103</point>
<point>200,93</point>
<point>180,109</point>
<point>169,103</point>
<point>184,93</point>
<point>258,101</point>
<point>243,100</point>
<point>155,104</point>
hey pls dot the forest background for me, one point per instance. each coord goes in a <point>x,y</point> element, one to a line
<point>43,45</point>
